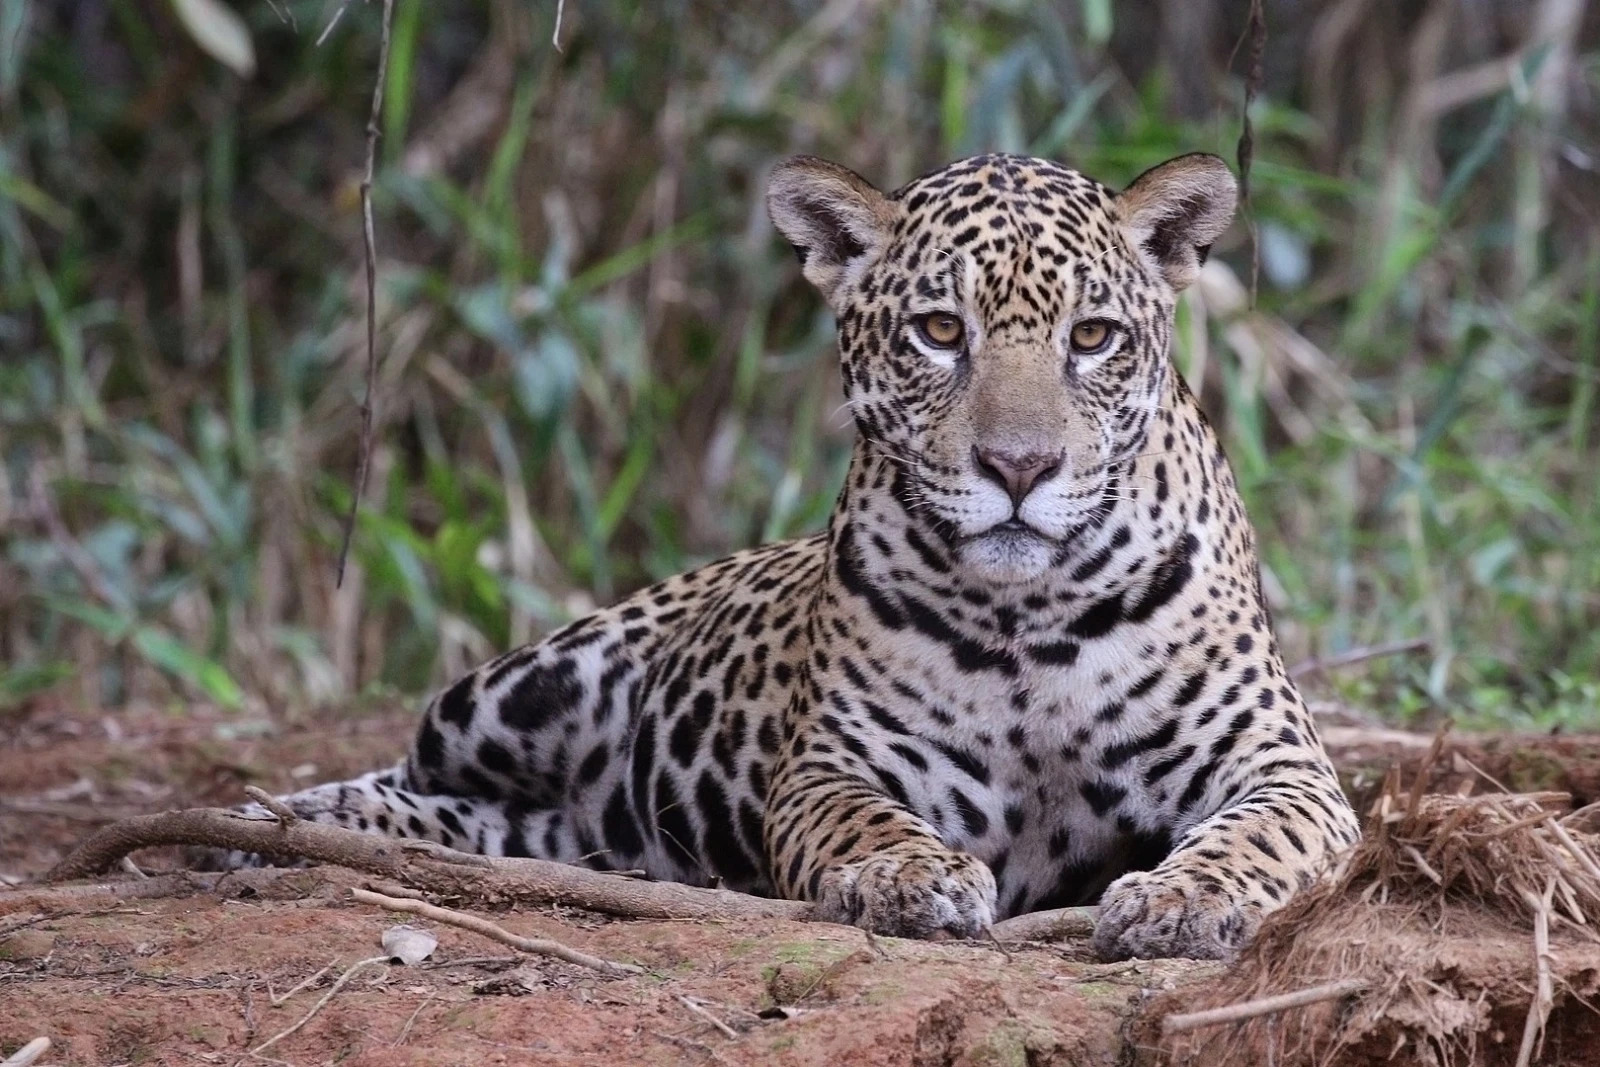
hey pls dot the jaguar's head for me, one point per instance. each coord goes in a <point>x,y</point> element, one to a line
<point>1004,325</point>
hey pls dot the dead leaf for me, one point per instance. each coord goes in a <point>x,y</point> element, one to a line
<point>408,944</point>
<point>220,33</point>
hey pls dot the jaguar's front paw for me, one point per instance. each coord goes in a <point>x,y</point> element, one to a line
<point>1154,915</point>
<point>911,890</point>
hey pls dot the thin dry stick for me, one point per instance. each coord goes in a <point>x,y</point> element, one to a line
<point>988,932</point>
<point>537,946</point>
<point>1544,996</point>
<point>77,557</point>
<point>1257,31</point>
<point>699,1010</point>
<point>21,921</point>
<point>1251,1009</point>
<point>405,1031</point>
<point>1359,655</point>
<point>319,1005</point>
<point>328,29</point>
<point>284,813</point>
<point>1579,853</point>
<point>278,999</point>
<point>370,239</point>
<point>471,961</point>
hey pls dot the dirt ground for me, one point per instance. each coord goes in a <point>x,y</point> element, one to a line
<point>199,978</point>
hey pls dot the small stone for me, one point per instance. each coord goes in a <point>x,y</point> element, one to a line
<point>30,944</point>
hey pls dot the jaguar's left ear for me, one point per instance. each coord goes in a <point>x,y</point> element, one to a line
<point>1172,213</point>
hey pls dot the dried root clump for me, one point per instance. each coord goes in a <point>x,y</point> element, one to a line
<point>1462,929</point>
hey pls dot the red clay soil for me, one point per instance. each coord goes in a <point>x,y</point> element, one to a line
<point>192,979</point>
<point>186,980</point>
<point>173,981</point>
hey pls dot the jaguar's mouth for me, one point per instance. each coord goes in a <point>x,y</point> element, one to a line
<point>1013,529</point>
<point>1007,552</point>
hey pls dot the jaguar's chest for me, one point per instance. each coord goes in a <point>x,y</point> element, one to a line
<point>1055,814</point>
<point>997,749</point>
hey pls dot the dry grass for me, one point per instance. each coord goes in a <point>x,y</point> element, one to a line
<point>1467,921</point>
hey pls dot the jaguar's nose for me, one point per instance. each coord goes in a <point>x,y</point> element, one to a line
<point>1016,472</point>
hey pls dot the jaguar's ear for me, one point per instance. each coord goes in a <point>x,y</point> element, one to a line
<point>1172,213</point>
<point>836,221</point>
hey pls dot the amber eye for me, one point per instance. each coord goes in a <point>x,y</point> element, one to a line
<point>1091,336</point>
<point>941,329</point>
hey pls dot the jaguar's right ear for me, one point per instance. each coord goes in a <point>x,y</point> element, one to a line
<point>836,220</point>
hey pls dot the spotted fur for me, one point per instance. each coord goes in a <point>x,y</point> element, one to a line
<point>1027,665</point>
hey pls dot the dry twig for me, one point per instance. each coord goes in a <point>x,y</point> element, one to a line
<point>1254,78</point>
<point>1252,1009</point>
<point>333,990</point>
<point>278,999</point>
<point>1353,656</point>
<point>405,1031</point>
<point>284,813</point>
<point>370,248</point>
<point>700,1010</point>
<point>485,928</point>
<point>1544,992</point>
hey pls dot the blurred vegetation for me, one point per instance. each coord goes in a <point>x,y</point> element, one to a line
<point>599,365</point>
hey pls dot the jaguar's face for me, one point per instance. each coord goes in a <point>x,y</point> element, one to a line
<point>1003,331</point>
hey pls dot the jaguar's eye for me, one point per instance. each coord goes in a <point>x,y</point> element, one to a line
<point>941,329</point>
<point>1092,336</point>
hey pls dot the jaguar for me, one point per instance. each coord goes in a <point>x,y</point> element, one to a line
<point>1028,664</point>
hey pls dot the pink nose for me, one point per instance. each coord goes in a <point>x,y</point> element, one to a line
<point>1016,472</point>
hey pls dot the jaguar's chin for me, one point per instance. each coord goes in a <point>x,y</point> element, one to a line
<point>1007,554</point>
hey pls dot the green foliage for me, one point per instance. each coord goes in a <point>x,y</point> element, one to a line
<point>599,367</point>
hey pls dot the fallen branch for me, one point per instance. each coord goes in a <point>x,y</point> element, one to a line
<point>423,866</point>
<point>1251,1009</point>
<point>1058,924</point>
<point>536,946</point>
<point>484,879</point>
